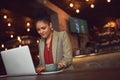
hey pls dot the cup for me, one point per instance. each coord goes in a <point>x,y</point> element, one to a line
<point>51,67</point>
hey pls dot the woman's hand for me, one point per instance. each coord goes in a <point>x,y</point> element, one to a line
<point>40,69</point>
<point>61,65</point>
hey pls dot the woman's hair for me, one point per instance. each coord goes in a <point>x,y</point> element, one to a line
<point>43,16</point>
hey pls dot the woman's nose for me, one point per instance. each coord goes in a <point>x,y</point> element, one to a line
<point>40,31</point>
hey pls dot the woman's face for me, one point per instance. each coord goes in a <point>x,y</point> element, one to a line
<point>44,29</point>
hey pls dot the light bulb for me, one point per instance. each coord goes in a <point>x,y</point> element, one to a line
<point>11,36</point>
<point>28,29</point>
<point>92,5</point>
<point>5,16</point>
<point>9,24</point>
<point>77,10</point>
<point>2,45</point>
<point>28,24</point>
<point>86,0</point>
<point>71,5</point>
<point>108,1</point>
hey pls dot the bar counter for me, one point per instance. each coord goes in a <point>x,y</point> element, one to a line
<point>91,74</point>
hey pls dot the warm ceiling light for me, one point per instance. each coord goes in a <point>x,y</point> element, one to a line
<point>11,36</point>
<point>28,29</point>
<point>38,41</point>
<point>2,45</point>
<point>27,21</point>
<point>5,16</point>
<point>113,24</point>
<point>28,24</point>
<point>108,1</point>
<point>71,5</point>
<point>92,5</point>
<point>77,11</point>
<point>86,0</point>
<point>110,24</point>
<point>19,39</point>
<point>9,24</point>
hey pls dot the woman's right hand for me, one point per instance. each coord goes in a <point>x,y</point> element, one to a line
<point>40,69</point>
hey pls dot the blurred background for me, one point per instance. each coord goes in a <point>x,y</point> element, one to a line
<point>93,25</point>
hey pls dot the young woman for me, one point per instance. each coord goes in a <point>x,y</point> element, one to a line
<point>54,47</point>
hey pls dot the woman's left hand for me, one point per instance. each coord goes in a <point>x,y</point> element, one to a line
<point>61,65</point>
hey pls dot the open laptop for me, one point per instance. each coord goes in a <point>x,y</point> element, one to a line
<point>18,61</point>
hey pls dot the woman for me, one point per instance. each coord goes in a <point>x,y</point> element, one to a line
<point>54,47</point>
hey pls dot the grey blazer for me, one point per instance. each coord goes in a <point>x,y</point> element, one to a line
<point>61,48</point>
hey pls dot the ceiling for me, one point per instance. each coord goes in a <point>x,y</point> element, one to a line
<point>97,16</point>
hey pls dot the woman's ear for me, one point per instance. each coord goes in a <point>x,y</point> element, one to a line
<point>50,24</point>
<point>51,27</point>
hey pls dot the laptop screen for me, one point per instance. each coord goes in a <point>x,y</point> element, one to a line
<point>18,61</point>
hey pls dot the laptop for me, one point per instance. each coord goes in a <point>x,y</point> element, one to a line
<point>18,61</point>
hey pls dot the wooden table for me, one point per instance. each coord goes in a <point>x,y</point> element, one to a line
<point>92,74</point>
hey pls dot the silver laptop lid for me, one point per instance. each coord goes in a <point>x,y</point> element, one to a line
<point>18,61</point>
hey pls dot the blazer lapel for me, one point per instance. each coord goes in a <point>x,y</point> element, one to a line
<point>54,46</point>
<point>42,51</point>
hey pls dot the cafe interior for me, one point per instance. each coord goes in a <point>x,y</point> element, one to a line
<point>92,25</point>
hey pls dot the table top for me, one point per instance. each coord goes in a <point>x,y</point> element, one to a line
<point>92,74</point>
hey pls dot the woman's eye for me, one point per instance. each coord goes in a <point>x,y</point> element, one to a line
<point>43,27</point>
